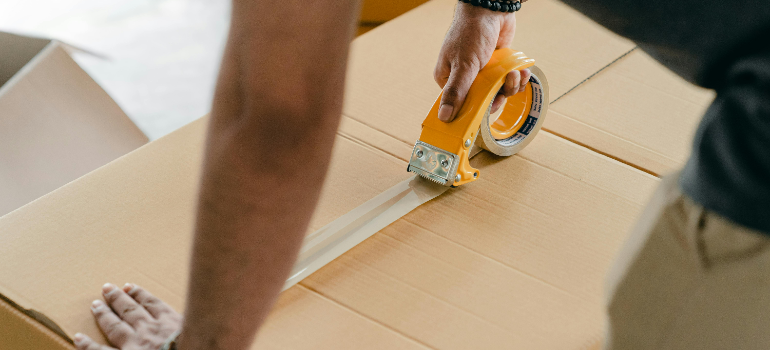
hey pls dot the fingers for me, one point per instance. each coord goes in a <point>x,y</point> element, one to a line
<point>116,331</point>
<point>515,82</point>
<point>441,72</point>
<point>455,90</point>
<point>152,304</point>
<point>460,82</point>
<point>125,306</point>
<point>512,83</point>
<point>525,75</point>
<point>83,342</point>
<point>498,102</point>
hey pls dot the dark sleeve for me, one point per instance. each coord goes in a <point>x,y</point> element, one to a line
<point>729,169</point>
<point>693,38</point>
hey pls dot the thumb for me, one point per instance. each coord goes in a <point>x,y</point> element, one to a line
<point>460,79</point>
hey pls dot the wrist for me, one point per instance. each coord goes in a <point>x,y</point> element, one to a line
<point>172,341</point>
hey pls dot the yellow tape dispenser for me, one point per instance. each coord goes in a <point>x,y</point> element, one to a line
<point>443,151</point>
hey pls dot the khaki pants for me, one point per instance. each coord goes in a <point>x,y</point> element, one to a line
<point>689,279</point>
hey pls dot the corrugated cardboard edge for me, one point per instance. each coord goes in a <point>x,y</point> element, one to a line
<point>53,79</point>
<point>73,49</point>
<point>34,322</point>
<point>21,73</point>
<point>45,52</point>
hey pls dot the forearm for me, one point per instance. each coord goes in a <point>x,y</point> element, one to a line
<point>275,114</point>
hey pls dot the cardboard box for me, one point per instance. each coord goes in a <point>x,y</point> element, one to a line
<point>56,123</point>
<point>533,266</point>
<point>514,260</point>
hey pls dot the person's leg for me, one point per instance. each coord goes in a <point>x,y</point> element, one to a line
<point>689,279</point>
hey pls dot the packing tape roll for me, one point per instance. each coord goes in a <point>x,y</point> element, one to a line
<point>520,120</point>
<point>517,124</point>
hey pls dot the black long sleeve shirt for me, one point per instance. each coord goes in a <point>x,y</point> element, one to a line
<point>720,45</point>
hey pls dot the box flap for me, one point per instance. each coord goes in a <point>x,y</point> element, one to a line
<point>636,111</point>
<point>21,331</point>
<point>56,124</point>
<point>16,53</point>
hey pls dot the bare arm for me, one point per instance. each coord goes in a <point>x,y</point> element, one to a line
<point>277,107</point>
<point>276,110</point>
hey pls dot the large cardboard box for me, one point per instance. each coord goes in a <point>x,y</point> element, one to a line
<point>514,260</point>
<point>56,123</point>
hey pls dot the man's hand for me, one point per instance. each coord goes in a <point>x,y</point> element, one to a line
<point>132,319</point>
<point>475,33</point>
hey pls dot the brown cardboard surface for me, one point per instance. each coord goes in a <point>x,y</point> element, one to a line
<point>529,273</point>
<point>636,111</point>
<point>56,123</point>
<point>391,68</point>
<point>303,319</point>
<point>515,259</point>
<point>132,221</point>
<point>19,331</point>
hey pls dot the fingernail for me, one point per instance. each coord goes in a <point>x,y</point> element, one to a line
<point>96,304</point>
<point>445,112</point>
<point>107,288</point>
<point>78,337</point>
<point>128,287</point>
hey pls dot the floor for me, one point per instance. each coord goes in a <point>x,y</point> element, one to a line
<point>157,58</point>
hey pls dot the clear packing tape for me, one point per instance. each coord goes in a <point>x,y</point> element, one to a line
<point>503,133</point>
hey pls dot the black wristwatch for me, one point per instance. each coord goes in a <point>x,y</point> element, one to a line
<point>496,5</point>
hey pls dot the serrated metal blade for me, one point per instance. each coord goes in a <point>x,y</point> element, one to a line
<point>433,163</point>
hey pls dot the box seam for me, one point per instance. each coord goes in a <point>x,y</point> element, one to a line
<point>613,135</point>
<point>605,154</point>
<point>503,264</point>
<point>442,261</point>
<point>356,312</point>
<point>595,73</point>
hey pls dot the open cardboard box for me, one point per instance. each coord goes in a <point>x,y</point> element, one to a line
<point>514,260</point>
<point>56,123</point>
